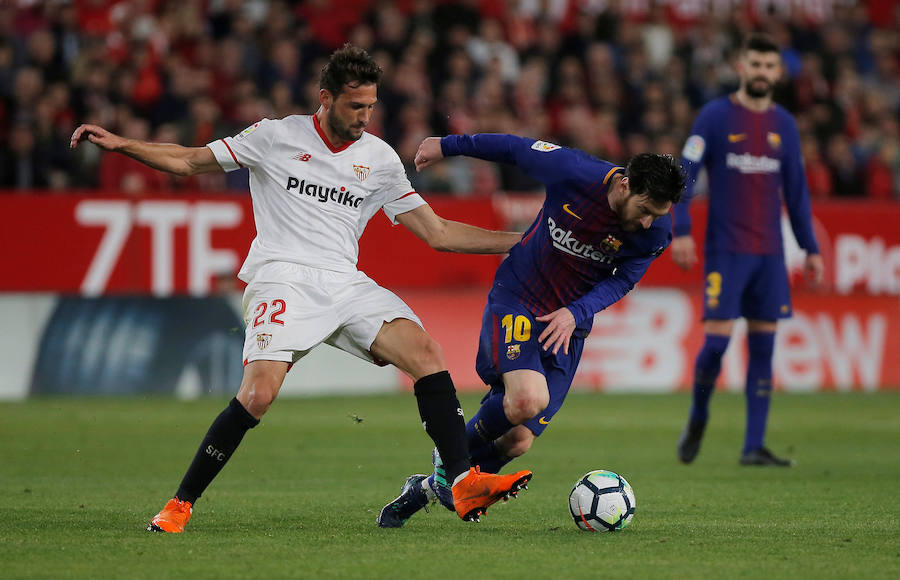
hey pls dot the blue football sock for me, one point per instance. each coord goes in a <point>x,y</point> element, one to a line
<point>706,371</point>
<point>761,347</point>
<point>488,423</point>
<point>488,458</point>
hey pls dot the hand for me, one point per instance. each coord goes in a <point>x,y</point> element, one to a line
<point>560,325</point>
<point>429,153</point>
<point>814,268</point>
<point>684,252</point>
<point>98,136</point>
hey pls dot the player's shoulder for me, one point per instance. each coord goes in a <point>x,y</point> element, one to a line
<point>658,236</point>
<point>783,115</point>
<point>709,118</point>
<point>586,165</point>
<point>661,227</point>
<point>377,147</point>
<point>716,106</point>
<point>272,130</point>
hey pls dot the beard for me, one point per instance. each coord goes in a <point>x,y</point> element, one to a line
<point>759,88</point>
<point>342,131</point>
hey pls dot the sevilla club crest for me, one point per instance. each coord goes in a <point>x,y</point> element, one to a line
<point>361,171</point>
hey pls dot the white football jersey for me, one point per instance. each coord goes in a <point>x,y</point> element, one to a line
<point>311,201</point>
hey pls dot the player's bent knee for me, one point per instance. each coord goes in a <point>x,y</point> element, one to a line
<point>718,327</point>
<point>516,442</point>
<point>257,397</point>
<point>525,404</point>
<point>426,358</point>
<point>433,354</point>
<point>260,387</point>
<point>520,447</point>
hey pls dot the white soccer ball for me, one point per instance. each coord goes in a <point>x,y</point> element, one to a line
<point>601,501</point>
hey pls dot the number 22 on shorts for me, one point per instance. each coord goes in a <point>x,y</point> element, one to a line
<point>278,308</point>
<point>518,327</point>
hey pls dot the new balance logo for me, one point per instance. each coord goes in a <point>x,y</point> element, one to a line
<point>302,156</point>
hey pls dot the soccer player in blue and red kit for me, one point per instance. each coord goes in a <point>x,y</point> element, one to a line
<point>599,229</point>
<point>751,150</point>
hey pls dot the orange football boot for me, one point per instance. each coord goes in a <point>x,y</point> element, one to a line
<point>172,518</point>
<point>477,491</point>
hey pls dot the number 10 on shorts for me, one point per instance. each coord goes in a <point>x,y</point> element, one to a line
<point>518,327</point>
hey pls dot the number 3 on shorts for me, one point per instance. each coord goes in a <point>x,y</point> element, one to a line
<point>518,328</point>
<point>278,308</point>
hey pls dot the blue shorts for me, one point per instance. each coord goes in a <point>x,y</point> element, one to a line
<point>753,286</point>
<point>509,342</point>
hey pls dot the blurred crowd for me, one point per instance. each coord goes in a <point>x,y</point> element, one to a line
<point>610,77</point>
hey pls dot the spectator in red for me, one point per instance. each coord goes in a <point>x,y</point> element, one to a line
<point>846,177</point>
<point>818,175</point>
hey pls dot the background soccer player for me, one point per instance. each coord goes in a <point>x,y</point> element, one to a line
<point>599,229</point>
<point>315,181</point>
<point>750,147</point>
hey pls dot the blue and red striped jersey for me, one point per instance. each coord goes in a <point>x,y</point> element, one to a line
<point>575,254</point>
<point>753,160</point>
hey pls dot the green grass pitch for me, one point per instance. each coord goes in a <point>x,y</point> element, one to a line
<point>80,478</point>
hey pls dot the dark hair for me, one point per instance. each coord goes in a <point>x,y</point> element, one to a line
<point>659,176</point>
<point>759,42</point>
<point>349,65</point>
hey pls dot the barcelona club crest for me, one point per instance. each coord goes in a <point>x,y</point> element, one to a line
<point>262,340</point>
<point>611,244</point>
<point>361,171</point>
<point>774,140</point>
<point>513,351</point>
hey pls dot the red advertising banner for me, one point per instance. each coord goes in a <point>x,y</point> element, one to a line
<point>648,341</point>
<point>193,245</point>
<point>859,241</point>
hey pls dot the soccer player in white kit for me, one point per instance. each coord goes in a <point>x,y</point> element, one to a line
<point>315,181</point>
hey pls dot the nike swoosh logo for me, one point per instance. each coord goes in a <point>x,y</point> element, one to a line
<point>543,421</point>
<point>570,212</point>
<point>485,493</point>
<point>735,137</point>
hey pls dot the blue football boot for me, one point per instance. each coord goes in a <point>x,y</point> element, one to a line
<point>438,484</point>
<point>412,498</point>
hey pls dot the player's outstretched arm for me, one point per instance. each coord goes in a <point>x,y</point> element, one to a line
<point>166,157</point>
<point>449,236</point>
<point>429,153</point>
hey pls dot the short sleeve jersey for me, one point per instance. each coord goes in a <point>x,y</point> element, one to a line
<point>311,200</point>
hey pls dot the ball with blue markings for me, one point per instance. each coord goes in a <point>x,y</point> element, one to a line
<point>602,501</point>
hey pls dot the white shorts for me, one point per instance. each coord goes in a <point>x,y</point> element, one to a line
<point>290,309</point>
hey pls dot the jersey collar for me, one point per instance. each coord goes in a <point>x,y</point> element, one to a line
<point>325,140</point>
<point>739,105</point>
